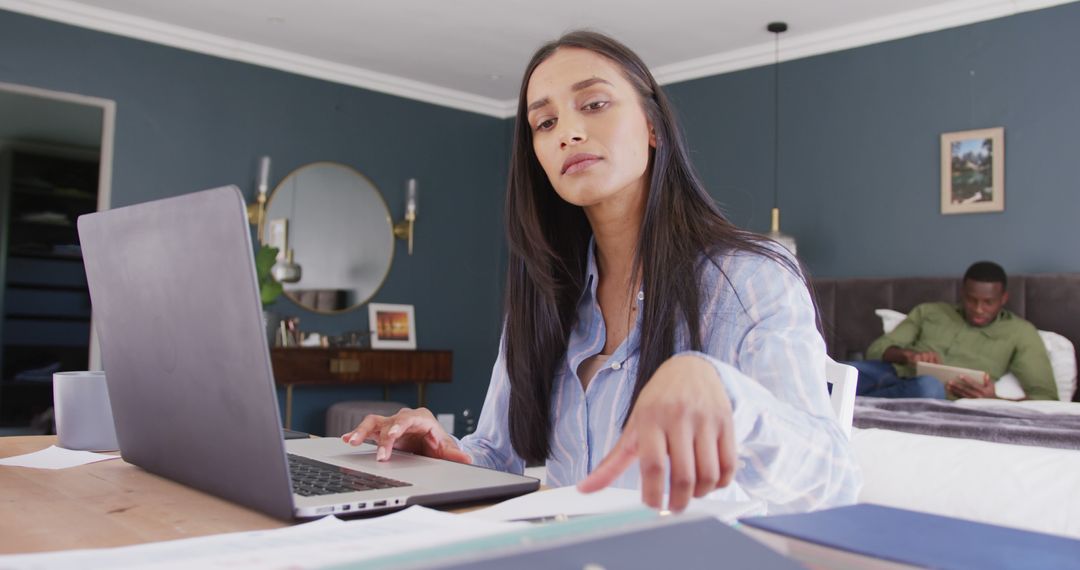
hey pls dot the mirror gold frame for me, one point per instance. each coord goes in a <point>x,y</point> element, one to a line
<point>333,242</point>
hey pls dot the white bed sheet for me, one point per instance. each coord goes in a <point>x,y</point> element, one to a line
<point>1033,488</point>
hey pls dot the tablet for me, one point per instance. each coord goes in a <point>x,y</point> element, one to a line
<point>946,373</point>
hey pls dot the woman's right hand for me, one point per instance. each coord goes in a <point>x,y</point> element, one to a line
<point>416,431</point>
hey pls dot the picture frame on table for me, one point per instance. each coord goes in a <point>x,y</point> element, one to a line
<point>973,171</point>
<point>277,235</point>
<point>392,326</point>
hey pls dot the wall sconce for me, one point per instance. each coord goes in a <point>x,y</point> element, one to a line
<point>285,270</point>
<point>404,228</point>
<point>257,212</point>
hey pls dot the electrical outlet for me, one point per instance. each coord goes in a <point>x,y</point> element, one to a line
<point>447,422</point>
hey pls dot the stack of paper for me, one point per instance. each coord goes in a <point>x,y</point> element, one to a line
<point>568,502</point>
<point>324,542</point>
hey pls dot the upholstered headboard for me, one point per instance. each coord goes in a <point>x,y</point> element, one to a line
<point>1051,301</point>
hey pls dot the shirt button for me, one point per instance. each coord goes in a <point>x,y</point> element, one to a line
<point>640,295</point>
<point>616,366</point>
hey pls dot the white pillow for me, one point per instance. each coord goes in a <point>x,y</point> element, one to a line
<point>890,319</point>
<point>1063,361</point>
<point>1058,348</point>
<point>1008,386</point>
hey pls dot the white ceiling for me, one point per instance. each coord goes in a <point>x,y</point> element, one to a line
<point>469,54</point>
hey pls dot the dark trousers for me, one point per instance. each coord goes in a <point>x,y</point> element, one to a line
<point>879,379</point>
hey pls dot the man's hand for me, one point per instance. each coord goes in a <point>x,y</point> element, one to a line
<point>929,356</point>
<point>965,387</point>
<point>682,418</point>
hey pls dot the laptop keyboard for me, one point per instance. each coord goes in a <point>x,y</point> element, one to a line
<point>312,478</point>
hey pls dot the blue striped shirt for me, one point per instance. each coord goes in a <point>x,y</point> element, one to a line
<point>759,332</point>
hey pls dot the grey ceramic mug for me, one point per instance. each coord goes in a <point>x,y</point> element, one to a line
<point>83,414</point>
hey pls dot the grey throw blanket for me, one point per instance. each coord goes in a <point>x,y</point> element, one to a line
<point>944,418</point>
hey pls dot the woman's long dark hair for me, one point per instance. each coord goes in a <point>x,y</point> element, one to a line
<point>549,238</point>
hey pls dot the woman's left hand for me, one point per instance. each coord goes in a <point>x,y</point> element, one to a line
<point>682,418</point>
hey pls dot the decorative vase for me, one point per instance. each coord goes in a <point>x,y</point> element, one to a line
<point>271,322</point>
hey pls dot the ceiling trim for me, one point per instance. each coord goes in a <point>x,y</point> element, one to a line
<point>949,15</point>
<point>877,30</point>
<point>145,29</point>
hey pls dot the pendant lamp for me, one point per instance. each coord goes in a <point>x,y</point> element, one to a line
<point>775,234</point>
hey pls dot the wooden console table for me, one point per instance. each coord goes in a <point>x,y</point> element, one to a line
<point>345,366</point>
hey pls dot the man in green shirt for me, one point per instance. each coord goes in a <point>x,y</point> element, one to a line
<point>979,334</point>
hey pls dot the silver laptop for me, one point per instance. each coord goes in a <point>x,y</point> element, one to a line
<point>176,305</point>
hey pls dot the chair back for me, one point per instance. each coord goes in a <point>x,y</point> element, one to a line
<point>843,378</point>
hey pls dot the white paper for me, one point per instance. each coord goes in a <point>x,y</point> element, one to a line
<point>55,458</point>
<point>318,543</point>
<point>568,501</point>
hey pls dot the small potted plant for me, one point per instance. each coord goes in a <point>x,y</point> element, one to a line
<point>269,288</point>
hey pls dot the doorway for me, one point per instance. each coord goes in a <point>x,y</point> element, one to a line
<point>55,165</point>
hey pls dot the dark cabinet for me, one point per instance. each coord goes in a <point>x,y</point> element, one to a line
<point>45,301</point>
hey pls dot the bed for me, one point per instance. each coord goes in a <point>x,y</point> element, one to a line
<point>1021,469</point>
<point>850,323</point>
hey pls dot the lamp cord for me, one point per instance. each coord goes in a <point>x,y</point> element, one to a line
<point>776,121</point>
<point>292,215</point>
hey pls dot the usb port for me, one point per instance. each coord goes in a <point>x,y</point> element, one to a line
<point>379,504</point>
<point>346,507</point>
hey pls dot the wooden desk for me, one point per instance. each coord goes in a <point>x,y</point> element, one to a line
<point>110,503</point>
<point>113,503</point>
<point>351,366</point>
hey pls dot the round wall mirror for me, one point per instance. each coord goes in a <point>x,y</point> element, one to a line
<point>338,227</point>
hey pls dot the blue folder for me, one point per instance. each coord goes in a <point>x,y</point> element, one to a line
<point>923,539</point>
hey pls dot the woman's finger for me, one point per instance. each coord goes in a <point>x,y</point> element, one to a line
<point>707,462</point>
<point>726,450</point>
<point>682,481</point>
<point>400,424</point>
<point>365,428</point>
<point>620,457</point>
<point>652,458</point>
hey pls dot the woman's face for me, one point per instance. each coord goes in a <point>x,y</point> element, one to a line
<point>589,130</point>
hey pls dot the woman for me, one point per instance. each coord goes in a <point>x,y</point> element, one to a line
<point>641,326</point>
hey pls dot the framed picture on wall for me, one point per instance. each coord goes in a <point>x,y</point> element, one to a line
<point>973,171</point>
<point>392,326</point>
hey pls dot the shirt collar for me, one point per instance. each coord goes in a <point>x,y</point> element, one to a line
<point>589,311</point>
<point>1002,315</point>
<point>592,275</point>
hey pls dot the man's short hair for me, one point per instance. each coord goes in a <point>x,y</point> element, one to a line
<point>986,272</point>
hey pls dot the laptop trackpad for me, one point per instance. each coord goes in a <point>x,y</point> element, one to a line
<point>367,462</point>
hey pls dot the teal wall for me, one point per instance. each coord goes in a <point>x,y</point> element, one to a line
<point>186,122</point>
<point>859,166</point>
<point>859,159</point>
